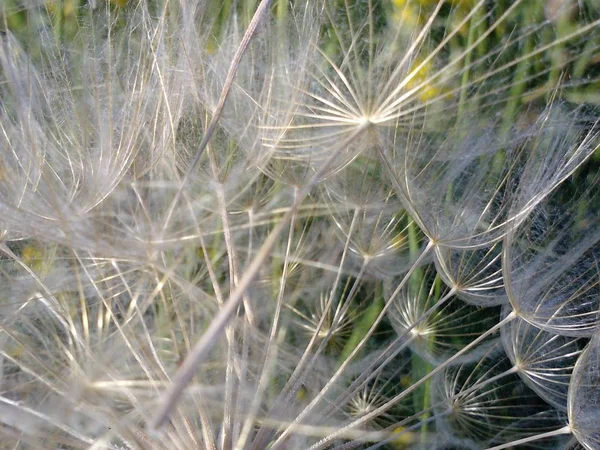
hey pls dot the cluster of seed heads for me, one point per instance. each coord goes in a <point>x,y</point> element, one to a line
<point>299,225</point>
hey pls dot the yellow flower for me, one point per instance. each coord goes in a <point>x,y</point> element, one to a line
<point>419,77</point>
<point>69,8</point>
<point>406,381</point>
<point>51,6</point>
<point>405,438</point>
<point>406,14</point>
<point>31,253</point>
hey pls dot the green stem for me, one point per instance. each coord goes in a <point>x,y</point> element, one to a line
<point>364,325</point>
